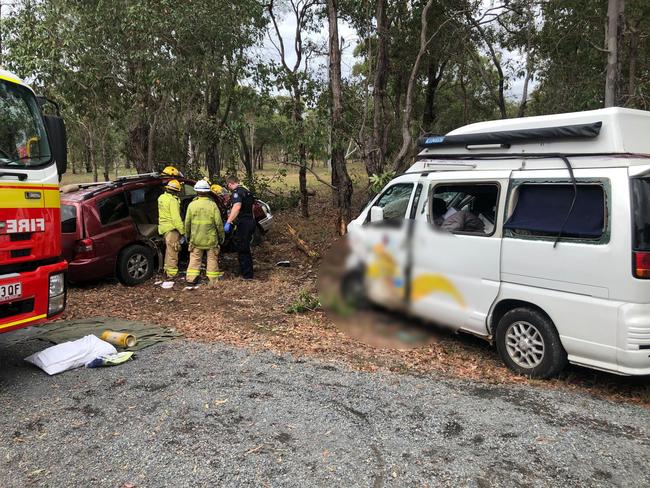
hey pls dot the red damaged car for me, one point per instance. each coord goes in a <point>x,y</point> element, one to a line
<point>111,228</point>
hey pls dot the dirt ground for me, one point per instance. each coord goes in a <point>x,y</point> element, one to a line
<point>253,314</point>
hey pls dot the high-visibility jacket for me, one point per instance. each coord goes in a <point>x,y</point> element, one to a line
<point>203,224</point>
<point>169,214</point>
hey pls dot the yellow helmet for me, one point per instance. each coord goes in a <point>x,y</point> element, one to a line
<point>217,189</point>
<point>170,171</point>
<point>173,185</point>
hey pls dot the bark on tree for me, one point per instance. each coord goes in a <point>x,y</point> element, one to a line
<point>500,96</point>
<point>377,153</point>
<point>340,178</point>
<point>407,138</point>
<point>435,72</point>
<point>614,11</point>
<point>300,11</point>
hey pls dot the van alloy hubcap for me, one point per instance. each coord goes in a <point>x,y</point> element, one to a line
<point>525,344</point>
<point>137,266</point>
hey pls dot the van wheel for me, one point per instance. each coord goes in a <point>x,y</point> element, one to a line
<point>529,344</point>
<point>135,265</point>
<point>353,289</point>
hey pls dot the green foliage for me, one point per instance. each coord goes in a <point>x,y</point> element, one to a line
<point>305,302</point>
<point>274,190</point>
<point>379,181</point>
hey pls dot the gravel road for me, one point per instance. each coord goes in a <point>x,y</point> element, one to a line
<point>192,414</point>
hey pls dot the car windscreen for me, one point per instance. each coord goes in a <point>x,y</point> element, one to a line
<point>640,188</point>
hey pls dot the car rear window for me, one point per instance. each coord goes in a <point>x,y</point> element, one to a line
<point>68,219</point>
<point>640,188</point>
<point>113,208</point>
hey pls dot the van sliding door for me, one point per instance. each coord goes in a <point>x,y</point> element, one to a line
<point>455,274</point>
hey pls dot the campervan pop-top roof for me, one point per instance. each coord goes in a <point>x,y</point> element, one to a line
<point>606,131</point>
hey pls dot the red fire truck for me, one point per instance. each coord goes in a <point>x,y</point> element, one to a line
<point>33,154</point>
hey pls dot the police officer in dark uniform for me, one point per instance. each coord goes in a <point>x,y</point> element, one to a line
<point>241,216</point>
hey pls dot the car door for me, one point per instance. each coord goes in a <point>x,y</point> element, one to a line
<point>386,244</point>
<point>112,228</point>
<point>456,274</point>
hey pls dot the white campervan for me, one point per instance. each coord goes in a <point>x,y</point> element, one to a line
<point>533,233</point>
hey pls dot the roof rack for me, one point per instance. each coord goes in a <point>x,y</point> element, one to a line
<point>120,181</point>
<point>504,139</point>
<point>135,177</point>
<point>612,130</point>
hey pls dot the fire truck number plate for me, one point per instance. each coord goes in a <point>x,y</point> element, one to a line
<point>10,291</point>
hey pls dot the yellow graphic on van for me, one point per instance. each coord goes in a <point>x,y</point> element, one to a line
<point>426,284</point>
<point>385,268</point>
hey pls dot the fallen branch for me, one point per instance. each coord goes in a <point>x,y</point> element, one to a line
<point>301,244</point>
<point>312,172</point>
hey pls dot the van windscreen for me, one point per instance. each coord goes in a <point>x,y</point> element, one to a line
<point>640,188</point>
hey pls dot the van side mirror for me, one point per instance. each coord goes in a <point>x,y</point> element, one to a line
<point>376,214</point>
<point>58,141</point>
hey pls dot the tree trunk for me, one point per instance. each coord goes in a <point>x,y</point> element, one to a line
<point>93,158</point>
<point>407,138</point>
<point>212,159</point>
<point>245,154</point>
<point>632,63</point>
<point>302,149</point>
<point>340,178</point>
<point>107,162</point>
<point>434,75</point>
<point>500,97</point>
<point>614,11</point>
<point>377,156</point>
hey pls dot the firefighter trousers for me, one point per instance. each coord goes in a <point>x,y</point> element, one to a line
<point>194,267</point>
<point>172,247</point>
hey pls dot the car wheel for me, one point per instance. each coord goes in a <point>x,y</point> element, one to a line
<point>256,236</point>
<point>529,344</point>
<point>135,265</point>
<point>353,289</point>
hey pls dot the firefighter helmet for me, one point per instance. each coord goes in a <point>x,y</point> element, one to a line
<point>171,171</point>
<point>202,186</point>
<point>173,185</point>
<point>217,189</point>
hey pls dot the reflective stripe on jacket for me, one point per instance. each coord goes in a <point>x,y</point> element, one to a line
<point>169,214</point>
<point>203,224</point>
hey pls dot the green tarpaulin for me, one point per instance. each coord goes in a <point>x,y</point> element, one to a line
<point>70,330</point>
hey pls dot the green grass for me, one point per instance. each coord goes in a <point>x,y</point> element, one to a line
<point>290,181</point>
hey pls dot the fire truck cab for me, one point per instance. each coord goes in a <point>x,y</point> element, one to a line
<point>33,156</point>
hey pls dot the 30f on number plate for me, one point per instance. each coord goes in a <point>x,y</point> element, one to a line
<point>10,291</point>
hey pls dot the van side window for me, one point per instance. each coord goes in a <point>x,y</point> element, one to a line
<point>395,201</point>
<point>112,209</point>
<point>545,210</point>
<point>467,208</point>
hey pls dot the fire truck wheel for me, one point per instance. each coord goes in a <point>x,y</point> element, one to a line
<point>135,265</point>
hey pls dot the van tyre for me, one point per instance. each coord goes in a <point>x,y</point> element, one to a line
<point>529,344</point>
<point>135,265</point>
<point>353,289</point>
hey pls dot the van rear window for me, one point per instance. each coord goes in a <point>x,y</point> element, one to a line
<point>542,210</point>
<point>640,188</point>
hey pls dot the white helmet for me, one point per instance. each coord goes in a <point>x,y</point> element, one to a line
<point>202,186</point>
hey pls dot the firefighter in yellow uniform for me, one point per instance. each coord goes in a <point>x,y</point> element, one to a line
<point>170,225</point>
<point>204,231</point>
